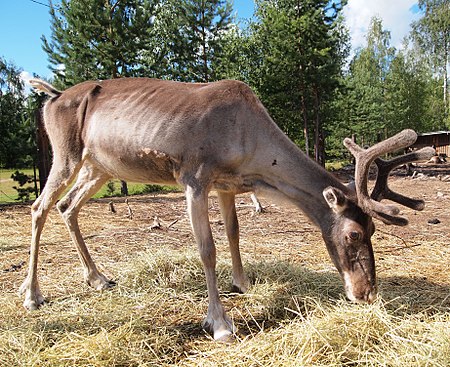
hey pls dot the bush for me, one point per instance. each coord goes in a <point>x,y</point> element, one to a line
<point>22,179</point>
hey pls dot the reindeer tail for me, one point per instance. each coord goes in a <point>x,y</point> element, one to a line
<point>45,87</point>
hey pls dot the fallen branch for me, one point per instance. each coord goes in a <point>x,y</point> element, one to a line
<point>172,223</point>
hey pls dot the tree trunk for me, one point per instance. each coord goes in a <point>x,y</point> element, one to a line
<point>124,188</point>
<point>446,75</point>
<point>305,125</point>
<point>319,148</point>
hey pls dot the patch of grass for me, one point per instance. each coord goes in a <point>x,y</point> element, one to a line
<point>335,165</point>
<point>9,195</point>
<point>112,189</point>
<point>152,318</point>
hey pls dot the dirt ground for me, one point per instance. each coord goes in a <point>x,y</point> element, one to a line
<point>412,261</point>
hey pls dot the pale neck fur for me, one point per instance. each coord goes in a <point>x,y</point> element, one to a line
<point>289,174</point>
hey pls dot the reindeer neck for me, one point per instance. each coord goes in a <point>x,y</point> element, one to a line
<point>300,180</point>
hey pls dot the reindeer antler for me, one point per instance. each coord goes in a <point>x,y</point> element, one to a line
<point>382,191</point>
<point>364,158</point>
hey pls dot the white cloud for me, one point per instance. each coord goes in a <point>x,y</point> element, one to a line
<point>26,76</point>
<point>396,15</point>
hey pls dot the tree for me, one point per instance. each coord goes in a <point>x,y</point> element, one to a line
<point>302,51</point>
<point>192,33</point>
<point>366,94</point>
<point>98,39</point>
<point>432,32</point>
<point>409,89</point>
<point>235,57</point>
<point>16,143</point>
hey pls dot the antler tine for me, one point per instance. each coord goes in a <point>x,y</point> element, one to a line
<point>382,191</point>
<point>364,158</point>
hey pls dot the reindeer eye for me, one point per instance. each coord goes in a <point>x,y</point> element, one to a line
<point>354,236</point>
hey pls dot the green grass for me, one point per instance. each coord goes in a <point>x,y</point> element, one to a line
<point>133,189</point>
<point>9,195</point>
<point>335,165</point>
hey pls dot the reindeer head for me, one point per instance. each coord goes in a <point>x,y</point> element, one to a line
<point>349,238</point>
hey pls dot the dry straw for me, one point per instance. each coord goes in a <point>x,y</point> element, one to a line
<point>293,315</point>
<point>153,319</point>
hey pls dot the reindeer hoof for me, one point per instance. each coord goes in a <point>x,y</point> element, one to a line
<point>33,303</point>
<point>236,289</point>
<point>33,296</point>
<point>111,283</point>
<point>240,286</point>
<point>222,332</point>
<point>101,283</point>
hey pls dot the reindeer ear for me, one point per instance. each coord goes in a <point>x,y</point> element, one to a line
<point>335,198</point>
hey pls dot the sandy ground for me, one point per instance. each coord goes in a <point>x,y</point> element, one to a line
<point>412,260</point>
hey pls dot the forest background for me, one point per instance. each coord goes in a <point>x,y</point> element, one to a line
<point>295,55</point>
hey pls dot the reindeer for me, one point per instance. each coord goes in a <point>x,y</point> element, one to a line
<point>204,137</point>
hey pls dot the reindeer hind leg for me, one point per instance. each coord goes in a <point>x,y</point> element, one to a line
<point>61,174</point>
<point>228,209</point>
<point>89,181</point>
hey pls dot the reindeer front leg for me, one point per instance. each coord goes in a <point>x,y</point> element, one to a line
<point>216,320</point>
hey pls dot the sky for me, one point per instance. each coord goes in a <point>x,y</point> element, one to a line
<point>23,22</point>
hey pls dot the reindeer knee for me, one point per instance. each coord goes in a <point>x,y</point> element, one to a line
<point>62,207</point>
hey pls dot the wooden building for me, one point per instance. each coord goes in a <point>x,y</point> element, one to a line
<point>440,140</point>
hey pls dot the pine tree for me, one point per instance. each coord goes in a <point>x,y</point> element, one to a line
<point>196,42</point>
<point>16,148</point>
<point>98,39</point>
<point>302,50</point>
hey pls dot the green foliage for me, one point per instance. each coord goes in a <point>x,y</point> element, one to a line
<point>407,86</point>
<point>202,25</point>
<point>110,188</point>
<point>302,49</point>
<point>432,35</point>
<point>386,91</point>
<point>367,84</point>
<point>97,39</point>
<point>189,40</point>
<point>149,188</point>
<point>17,132</point>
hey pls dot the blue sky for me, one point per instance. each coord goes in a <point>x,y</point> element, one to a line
<point>23,22</point>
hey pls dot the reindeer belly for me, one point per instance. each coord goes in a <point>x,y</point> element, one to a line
<point>145,165</point>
